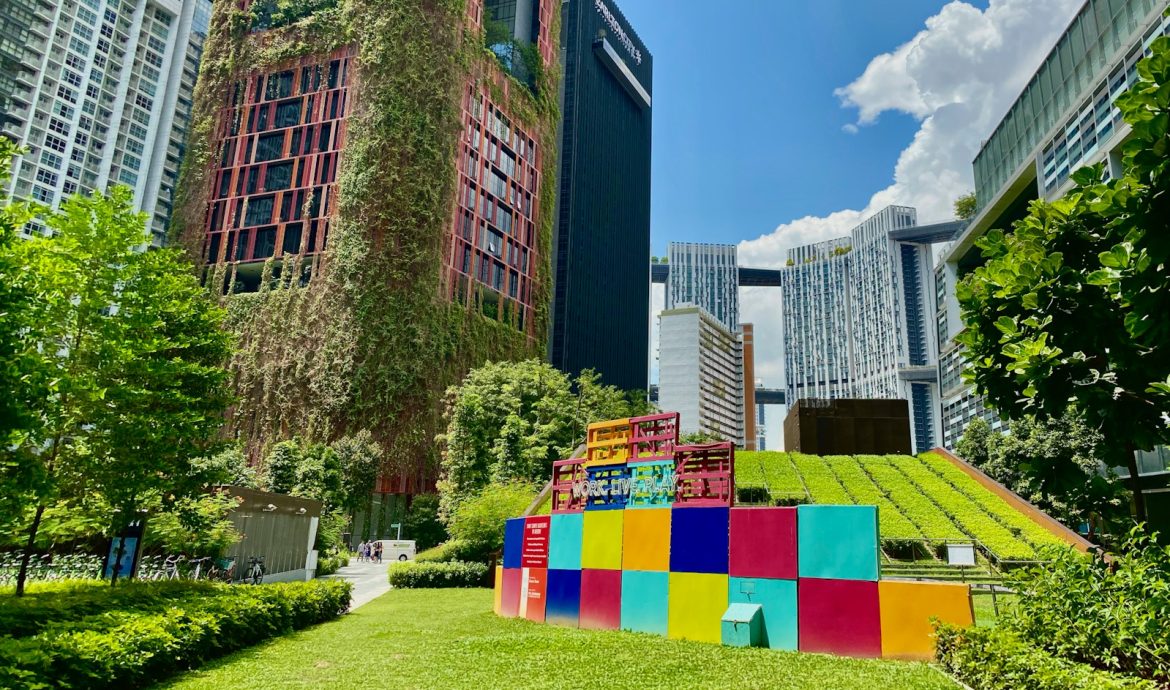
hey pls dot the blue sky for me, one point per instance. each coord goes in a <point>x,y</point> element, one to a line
<point>747,130</point>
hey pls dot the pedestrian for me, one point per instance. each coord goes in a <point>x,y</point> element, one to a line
<point>378,550</point>
<point>363,549</point>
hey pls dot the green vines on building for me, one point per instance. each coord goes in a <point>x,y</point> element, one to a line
<point>370,342</point>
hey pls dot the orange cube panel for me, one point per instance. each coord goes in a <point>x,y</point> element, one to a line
<point>646,540</point>
<point>498,591</point>
<point>906,610</point>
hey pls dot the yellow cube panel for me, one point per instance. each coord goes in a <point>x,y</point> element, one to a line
<point>906,609</point>
<point>697,603</point>
<point>646,539</point>
<point>601,541</point>
<point>498,593</point>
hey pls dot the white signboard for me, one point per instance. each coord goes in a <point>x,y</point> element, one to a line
<point>961,554</point>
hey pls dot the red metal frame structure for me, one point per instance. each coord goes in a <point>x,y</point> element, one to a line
<point>653,437</point>
<point>565,474</point>
<point>282,134</point>
<point>705,474</point>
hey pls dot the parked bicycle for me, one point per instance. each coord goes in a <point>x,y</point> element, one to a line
<point>255,570</point>
<point>223,570</point>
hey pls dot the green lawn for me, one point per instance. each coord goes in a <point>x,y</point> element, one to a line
<point>451,639</point>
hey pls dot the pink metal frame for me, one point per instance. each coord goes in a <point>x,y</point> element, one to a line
<point>705,474</point>
<point>653,437</point>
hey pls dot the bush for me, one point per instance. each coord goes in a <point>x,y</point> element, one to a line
<point>438,575</point>
<point>479,520</point>
<point>453,550</point>
<point>999,659</point>
<point>139,646</point>
<point>327,565</point>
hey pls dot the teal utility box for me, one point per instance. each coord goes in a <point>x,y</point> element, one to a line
<point>743,625</point>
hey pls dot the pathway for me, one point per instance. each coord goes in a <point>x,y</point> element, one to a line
<point>369,580</point>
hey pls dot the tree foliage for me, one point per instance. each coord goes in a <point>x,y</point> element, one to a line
<point>1056,464</point>
<point>422,523</point>
<point>479,520</point>
<point>965,206</point>
<point>1069,308</point>
<point>511,420</point>
<point>134,352</point>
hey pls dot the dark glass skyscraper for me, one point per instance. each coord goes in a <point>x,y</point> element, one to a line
<point>601,257</point>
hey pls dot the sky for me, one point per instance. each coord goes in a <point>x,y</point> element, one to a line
<point>781,123</point>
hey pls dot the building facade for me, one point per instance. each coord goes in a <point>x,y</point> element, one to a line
<point>701,374</point>
<point>602,242</point>
<point>100,91</point>
<point>747,339</point>
<point>855,313</point>
<point>352,239</point>
<point>1063,120</point>
<point>706,275</point>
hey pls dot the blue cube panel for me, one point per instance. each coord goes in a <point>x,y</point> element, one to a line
<point>562,598</point>
<point>644,601</point>
<point>564,548</point>
<point>837,542</point>
<point>513,542</point>
<point>778,600</point>
<point>698,540</point>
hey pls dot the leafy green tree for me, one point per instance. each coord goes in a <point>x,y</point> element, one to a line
<point>134,349</point>
<point>229,468</point>
<point>280,466</point>
<point>965,208</point>
<point>361,459</point>
<point>1070,307</point>
<point>422,522</point>
<point>196,526</point>
<point>479,520</point>
<point>511,420</point>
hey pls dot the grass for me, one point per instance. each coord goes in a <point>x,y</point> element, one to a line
<point>451,639</point>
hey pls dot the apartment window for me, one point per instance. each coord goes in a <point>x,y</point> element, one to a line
<point>137,131</point>
<point>260,210</point>
<point>83,32</point>
<point>128,178</point>
<point>42,195</point>
<point>50,160</point>
<point>56,143</point>
<point>278,177</point>
<point>269,147</point>
<point>68,95</point>
<point>287,114</point>
<point>58,126</point>
<point>156,44</point>
<point>153,59</point>
<point>143,102</point>
<point>131,162</point>
<point>45,177</point>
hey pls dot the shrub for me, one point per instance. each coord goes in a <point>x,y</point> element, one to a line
<point>999,659</point>
<point>134,648</point>
<point>438,575</point>
<point>453,550</point>
<point>327,565</point>
<point>479,521</point>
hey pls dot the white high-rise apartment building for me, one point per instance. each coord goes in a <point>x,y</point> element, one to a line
<point>99,91</point>
<point>701,373</point>
<point>705,275</point>
<point>855,318</point>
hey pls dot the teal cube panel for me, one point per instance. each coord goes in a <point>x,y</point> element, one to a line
<point>742,626</point>
<point>564,546</point>
<point>644,601</point>
<point>837,542</point>
<point>777,599</point>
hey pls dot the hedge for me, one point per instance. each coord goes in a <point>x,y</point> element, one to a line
<point>453,550</point>
<point>137,647</point>
<point>999,659</point>
<point>327,565</point>
<point>438,575</point>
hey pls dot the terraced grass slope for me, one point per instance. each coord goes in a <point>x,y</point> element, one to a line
<point>918,498</point>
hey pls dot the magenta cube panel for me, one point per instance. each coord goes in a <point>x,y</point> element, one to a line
<point>763,543</point>
<point>536,540</point>
<point>510,599</point>
<point>601,599</point>
<point>705,474</point>
<point>566,473</point>
<point>698,540</point>
<point>653,437</point>
<point>839,617</point>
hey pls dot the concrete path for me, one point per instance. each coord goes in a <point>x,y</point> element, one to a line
<point>369,580</point>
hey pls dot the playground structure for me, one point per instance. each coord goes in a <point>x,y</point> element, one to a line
<point>644,536</point>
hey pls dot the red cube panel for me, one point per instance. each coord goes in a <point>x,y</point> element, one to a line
<point>705,474</point>
<point>535,550</point>
<point>763,543</point>
<point>566,473</point>
<point>601,599</point>
<point>534,593</point>
<point>839,617</point>
<point>653,437</point>
<point>510,602</point>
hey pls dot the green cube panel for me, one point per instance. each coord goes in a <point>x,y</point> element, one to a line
<point>564,546</point>
<point>645,601</point>
<point>837,542</point>
<point>777,599</point>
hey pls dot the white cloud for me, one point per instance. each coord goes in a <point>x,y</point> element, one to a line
<point>958,76</point>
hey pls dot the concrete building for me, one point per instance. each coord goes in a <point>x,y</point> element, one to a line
<point>747,339</point>
<point>100,91</point>
<point>700,373</point>
<point>1063,120</point>
<point>706,275</point>
<point>855,318</point>
<point>601,245</point>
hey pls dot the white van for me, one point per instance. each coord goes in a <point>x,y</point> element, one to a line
<point>397,549</point>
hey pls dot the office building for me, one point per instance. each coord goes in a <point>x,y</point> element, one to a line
<point>602,241</point>
<point>854,315</point>
<point>747,339</point>
<point>100,91</point>
<point>384,257</point>
<point>706,275</point>
<point>700,374</point>
<point>761,429</point>
<point>1063,120</point>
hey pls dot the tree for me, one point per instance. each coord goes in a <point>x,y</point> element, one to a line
<point>134,349</point>
<point>965,208</point>
<point>361,459</point>
<point>422,523</point>
<point>280,466</point>
<point>479,520</point>
<point>511,420</point>
<point>1070,307</point>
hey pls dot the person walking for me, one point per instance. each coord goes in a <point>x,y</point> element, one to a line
<point>363,549</point>
<point>378,550</point>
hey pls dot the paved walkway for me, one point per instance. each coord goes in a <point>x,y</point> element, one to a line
<point>369,580</point>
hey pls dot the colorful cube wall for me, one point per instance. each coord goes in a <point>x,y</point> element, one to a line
<point>644,537</point>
